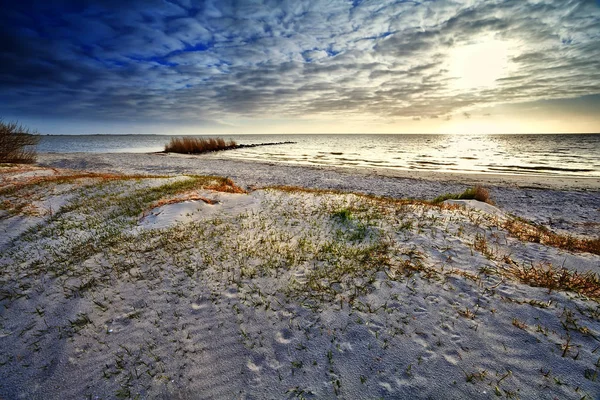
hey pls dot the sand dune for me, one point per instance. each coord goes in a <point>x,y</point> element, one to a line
<point>185,287</point>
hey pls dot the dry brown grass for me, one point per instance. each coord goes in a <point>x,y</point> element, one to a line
<point>553,278</point>
<point>17,143</point>
<point>187,145</point>
<point>13,186</point>
<point>478,193</point>
<point>226,185</point>
<point>482,194</point>
<point>540,234</point>
<point>177,199</point>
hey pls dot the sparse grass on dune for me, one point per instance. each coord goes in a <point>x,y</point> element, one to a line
<point>553,278</point>
<point>19,195</point>
<point>382,199</point>
<point>187,145</point>
<point>521,229</point>
<point>539,234</point>
<point>67,178</point>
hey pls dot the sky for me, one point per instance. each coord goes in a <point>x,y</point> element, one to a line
<point>300,66</point>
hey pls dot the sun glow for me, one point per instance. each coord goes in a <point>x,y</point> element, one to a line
<point>488,125</point>
<point>479,64</point>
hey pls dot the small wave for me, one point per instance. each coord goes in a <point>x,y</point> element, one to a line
<point>433,163</point>
<point>372,165</point>
<point>468,158</point>
<point>539,168</point>
<point>371,161</point>
<point>515,171</point>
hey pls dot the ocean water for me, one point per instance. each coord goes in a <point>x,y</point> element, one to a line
<point>574,155</point>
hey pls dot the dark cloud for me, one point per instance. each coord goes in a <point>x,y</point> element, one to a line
<point>214,60</point>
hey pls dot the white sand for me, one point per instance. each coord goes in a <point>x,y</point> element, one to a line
<point>276,294</point>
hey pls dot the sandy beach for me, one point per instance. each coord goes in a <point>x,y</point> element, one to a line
<point>559,202</point>
<point>162,276</point>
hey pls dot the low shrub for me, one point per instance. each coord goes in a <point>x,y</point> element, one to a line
<point>17,143</point>
<point>475,193</point>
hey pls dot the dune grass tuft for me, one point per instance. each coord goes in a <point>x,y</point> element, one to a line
<point>187,145</point>
<point>478,193</point>
<point>343,214</point>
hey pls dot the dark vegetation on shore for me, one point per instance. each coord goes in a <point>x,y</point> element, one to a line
<point>187,145</point>
<point>195,145</point>
<point>475,193</point>
<point>17,143</point>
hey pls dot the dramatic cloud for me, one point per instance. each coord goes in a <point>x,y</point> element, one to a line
<point>216,60</point>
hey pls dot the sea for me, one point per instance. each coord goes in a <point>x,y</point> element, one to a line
<point>532,154</point>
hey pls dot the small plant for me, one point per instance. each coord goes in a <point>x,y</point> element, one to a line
<point>342,214</point>
<point>16,143</point>
<point>189,145</point>
<point>467,313</point>
<point>480,376</point>
<point>519,324</point>
<point>478,193</point>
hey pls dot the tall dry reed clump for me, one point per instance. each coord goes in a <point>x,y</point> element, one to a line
<point>188,145</point>
<point>17,143</point>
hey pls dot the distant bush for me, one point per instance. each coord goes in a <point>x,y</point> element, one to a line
<point>476,193</point>
<point>195,146</point>
<point>17,143</point>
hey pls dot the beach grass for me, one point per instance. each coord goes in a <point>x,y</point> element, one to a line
<point>535,233</point>
<point>188,145</point>
<point>478,193</point>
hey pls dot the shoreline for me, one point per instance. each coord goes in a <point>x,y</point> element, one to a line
<point>529,181</point>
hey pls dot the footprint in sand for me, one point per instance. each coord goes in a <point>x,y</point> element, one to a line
<point>284,336</point>
<point>255,366</point>
<point>452,356</point>
<point>420,341</point>
<point>375,328</point>
<point>231,293</point>
<point>420,311</point>
<point>198,306</point>
<point>386,387</point>
<point>427,355</point>
<point>300,276</point>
